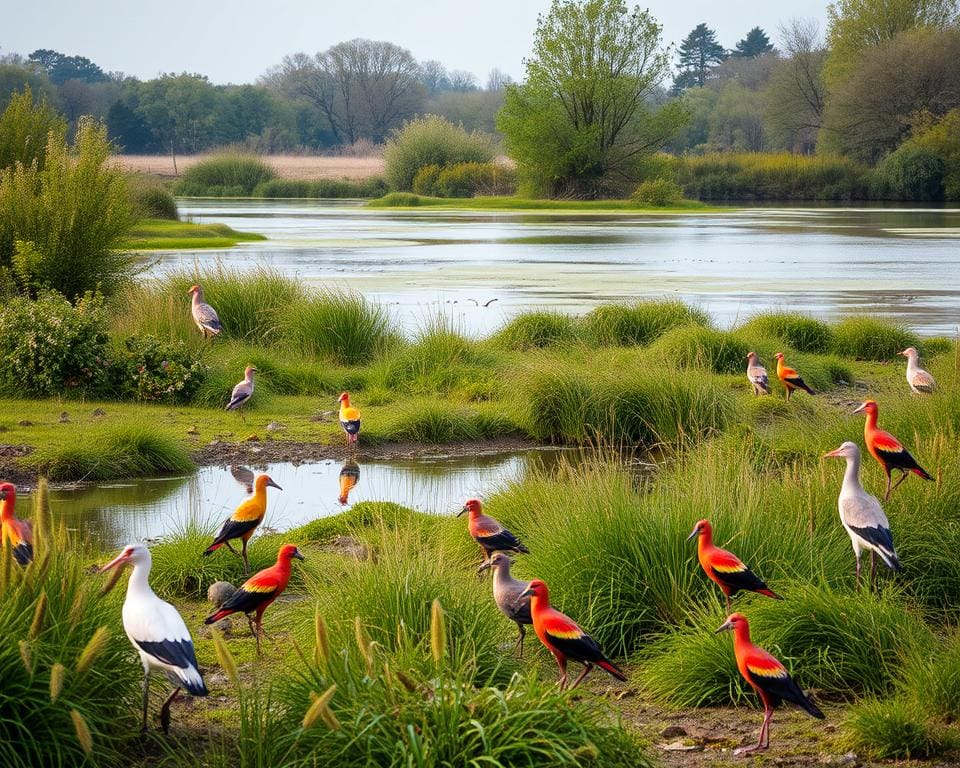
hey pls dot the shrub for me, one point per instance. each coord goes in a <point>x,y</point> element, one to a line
<point>538,330</point>
<point>25,129</point>
<point>50,346</point>
<point>943,139</point>
<point>150,198</point>
<point>374,186</point>
<point>150,370</point>
<point>870,338</point>
<point>471,179</point>
<point>431,140</point>
<point>910,173</point>
<point>640,323</point>
<point>425,180</point>
<point>801,332</point>
<point>695,346</point>
<point>63,227</point>
<point>226,174</point>
<point>931,681</point>
<point>890,728</point>
<point>659,192</point>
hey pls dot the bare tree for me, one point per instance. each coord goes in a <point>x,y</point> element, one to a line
<point>795,96</point>
<point>461,80</point>
<point>498,80</point>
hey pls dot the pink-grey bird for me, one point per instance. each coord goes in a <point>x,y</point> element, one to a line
<point>507,594</point>
<point>243,391</point>
<point>920,381</point>
<point>757,375</point>
<point>204,315</point>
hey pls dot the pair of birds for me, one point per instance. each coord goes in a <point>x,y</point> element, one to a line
<point>757,376</point>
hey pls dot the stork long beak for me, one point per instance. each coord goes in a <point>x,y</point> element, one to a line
<point>694,532</point>
<point>485,565</point>
<point>274,485</point>
<point>725,627</point>
<point>860,408</point>
<point>832,454</point>
<point>526,593</point>
<point>461,511</point>
<point>117,561</point>
<point>298,555</point>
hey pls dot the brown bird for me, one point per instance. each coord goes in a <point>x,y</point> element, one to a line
<point>789,377</point>
<point>204,315</point>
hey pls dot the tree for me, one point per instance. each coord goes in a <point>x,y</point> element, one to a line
<point>463,81</point>
<point>26,126</point>
<point>698,52</point>
<point>434,77</point>
<point>582,120</point>
<point>795,95</point>
<point>498,80</point>
<point>126,129</point>
<point>61,68</point>
<point>181,111</point>
<point>756,43</point>
<point>735,122</point>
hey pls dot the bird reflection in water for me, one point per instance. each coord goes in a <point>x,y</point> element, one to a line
<point>349,477</point>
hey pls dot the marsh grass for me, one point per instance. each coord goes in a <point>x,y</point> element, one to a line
<point>432,422</point>
<point>870,338</point>
<point>226,174</point>
<point>798,331</point>
<point>640,323</point>
<point>892,728</point>
<point>931,681</point>
<point>695,346</point>
<point>538,330</point>
<point>373,186</point>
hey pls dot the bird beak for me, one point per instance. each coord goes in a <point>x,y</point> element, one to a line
<point>117,561</point>
<point>461,511</point>
<point>725,627</point>
<point>903,354</point>
<point>485,565</point>
<point>832,454</point>
<point>274,485</point>
<point>526,593</point>
<point>694,532</point>
<point>298,555</point>
<point>860,408</point>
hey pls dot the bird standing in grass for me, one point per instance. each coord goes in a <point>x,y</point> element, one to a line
<point>488,533</point>
<point>767,676</point>
<point>242,392</point>
<point>887,450</point>
<point>18,532</point>
<point>258,592</point>
<point>920,381</point>
<point>789,377</point>
<point>564,639</point>
<point>244,520</point>
<point>349,477</point>
<point>757,375</point>
<point>204,315</point>
<point>862,516</point>
<point>349,419</point>
<point>507,593</point>
<point>158,633</point>
<point>724,568</point>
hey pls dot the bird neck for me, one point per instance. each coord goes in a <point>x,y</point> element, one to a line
<point>780,364</point>
<point>345,403</point>
<point>741,638</point>
<point>139,584</point>
<point>871,423</point>
<point>198,296</point>
<point>539,604</point>
<point>851,477</point>
<point>501,573</point>
<point>6,506</point>
<point>705,540</point>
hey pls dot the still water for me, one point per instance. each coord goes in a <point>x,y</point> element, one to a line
<point>826,261</point>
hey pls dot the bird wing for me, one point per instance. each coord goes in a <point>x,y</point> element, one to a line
<point>883,442</point>
<point>923,381</point>
<point>349,414</point>
<point>733,572</point>
<point>262,587</point>
<point>767,674</point>
<point>244,476</point>
<point>206,316</point>
<point>493,536</point>
<point>863,511</point>
<point>566,636</point>
<point>158,628</point>
<point>758,375</point>
<point>20,534</point>
<point>242,390</point>
<point>785,373</point>
<point>235,529</point>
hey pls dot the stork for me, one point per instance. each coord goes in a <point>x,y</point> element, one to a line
<point>203,314</point>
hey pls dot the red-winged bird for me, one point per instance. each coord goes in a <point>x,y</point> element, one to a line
<point>766,675</point>
<point>244,520</point>
<point>862,516</point>
<point>887,450</point>
<point>257,592</point>
<point>204,315</point>
<point>242,392</point>
<point>757,375</point>
<point>789,377</point>
<point>349,477</point>
<point>564,639</point>
<point>507,593</point>
<point>349,418</point>
<point>724,568</point>
<point>157,632</point>
<point>18,532</point>
<point>920,381</point>
<point>488,533</point>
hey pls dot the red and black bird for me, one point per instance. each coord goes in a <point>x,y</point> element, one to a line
<point>887,450</point>
<point>488,533</point>
<point>18,532</point>
<point>246,518</point>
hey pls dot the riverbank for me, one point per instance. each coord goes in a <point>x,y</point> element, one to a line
<point>165,235</point>
<point>402,200</point>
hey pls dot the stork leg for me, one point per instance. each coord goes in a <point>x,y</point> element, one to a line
<point>858,572</point>
<point>586,669</point>
<point>764,740</point>
<point>519,648</point>
<point>165,711</point>
<point>146,698</point>
<point>903,476</point>
<point>873,569</point>
<point>246,562</point>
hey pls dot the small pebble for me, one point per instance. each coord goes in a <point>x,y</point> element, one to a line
<point>679,746</point>
<point>275,426</point>
<point>673,731</point>
<point>219,592</point>
<point>193,430</point>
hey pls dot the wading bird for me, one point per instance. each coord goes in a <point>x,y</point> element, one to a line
<point>349,477</point>
<point>920,381</point>
<point>862,516</point>
<point>507,593</point>
<point>767,676</point>
<point>887,450</point>
<point>488,533</point>
<point>349,419</point>
<point>724,568</point>
<point>158,633</point>
<point>18,532</point>
<point>790,378</point>
<point>757,375</point>
<point>204,315</point>
<point>258,592</point>
<point>242,392</point>
<point>245,518</point>
<point>564,639</point>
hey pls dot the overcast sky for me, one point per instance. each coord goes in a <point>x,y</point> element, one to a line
<point>236,41</point>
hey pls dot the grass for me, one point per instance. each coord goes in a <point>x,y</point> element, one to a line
<point>870,338</point>
<point>796,330</point>
<point>538,330</point>
<point>373,186</point>
<point>696,346</point>
<point>164,234</point>
<point>225,174</point>
<point>891,729</point>
<point>503,203</point>
<point>640,323</point>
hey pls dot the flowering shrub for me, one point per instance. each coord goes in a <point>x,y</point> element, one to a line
<point>50,345</point>
<point>148,369</point>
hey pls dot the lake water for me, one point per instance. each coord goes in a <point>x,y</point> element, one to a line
<point>826,261</point>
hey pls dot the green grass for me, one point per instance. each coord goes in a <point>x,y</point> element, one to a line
<point>871,338</point>
<point>696,346</point>
<point>163,234</point>
<point>494,203</point>
<point>891,729</point>
<point>538,330</point>
<point>640,323</point>
<point>795,330</point>
<point>226,174</point>
<point>375,186</point>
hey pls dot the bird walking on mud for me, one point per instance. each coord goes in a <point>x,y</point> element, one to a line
<point>203,314</point>
<point>767,676</point>
<point>246,518</point>
<point>349,419</point>
<point>790,379</point>
<point>158,633</point>
<point>921,382</point>
<point>488,533</point>
<point>724,568</point>
<point>757,375</point>
<point>564,638</point>
<point>887,450</point>
<point>862,516</point>
<point>18,532</point>
<point>242,392</point>
<point>349,477</point>
<point>257,593</point>
<point>507,593</point>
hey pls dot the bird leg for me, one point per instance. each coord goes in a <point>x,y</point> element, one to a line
<point>873,569</point>
<point>562,663</point>
<point>586,669</point>
<point>903,476</point>
<point>230,547</point>
<point>764,740</point>
<point>858,572</point>
<point>165,711</point>
<point>886,496</point>
<point>146,697</point>
<point>519,648</point>
<point>246,562</point>
<point>789,390</point>
<point>729,605</point>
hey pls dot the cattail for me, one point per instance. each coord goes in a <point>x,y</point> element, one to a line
<point>41,516</point>
<point>366,647</point>
<point>315,710</point>
<point>321,650</point>
<point>38,568</point>
<point>111,581</point>
<point>78,609</point>
<point>227,662</point>
<point>408,682</point>
<point>330,719</point>
<point>37,624</point>
<point>438,632</point>
<point>92,649</point>
<point>57,673</point>
<point>83,731</point>
<point>26,657</point>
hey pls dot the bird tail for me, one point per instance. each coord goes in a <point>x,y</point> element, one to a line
<point>23,553</point>
<point>231,405</point>
<point>612,669</point>
<point>522,548</point>
<point>890,559</point>
<point>220,613</point>
<point>770,593</point>
<point>212,548</point>
<point>810,708</point>
<point>806,387</point>
<point>189,678</point>
<point>921,472</point>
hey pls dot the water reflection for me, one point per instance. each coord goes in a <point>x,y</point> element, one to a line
<point>349,477</point>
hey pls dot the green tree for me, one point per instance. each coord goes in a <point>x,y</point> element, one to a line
<point>181,111</point>
<point>583,119</point>
<point>698,52</point>
<point>795,94</point>
<point>25,128</point>
<point>61,68</point>
<point>756,43</point>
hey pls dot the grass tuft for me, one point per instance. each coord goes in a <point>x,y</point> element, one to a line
<point>640,323</point>
<point>695,346</point>
<point>796,330</point>
<point>870,338</point>
<point>538,330</point>
<point>890,728</point>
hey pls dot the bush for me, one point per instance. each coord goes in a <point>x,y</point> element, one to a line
<point>50,346</point>
<point>150,370</point>
<point>150,198</point>
<point>471,179</point>
<point>870,338</point>
<point>374,186</point>
<point>943,139</point>
<point>227,174</point>
<point>910,173</point>
<point>890,728</point>
<point>657,192</point>
<point>640,323</point>
<point>695,346</point>
<point>801,332</point>
<point>538,330</point>
<point>25,129</point>
<point>431,140</point>
<point>425,180</point>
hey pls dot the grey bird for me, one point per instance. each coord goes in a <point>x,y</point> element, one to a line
<point>204,315</point>
<point>243,391</point>
<point>920,381</point>
<point>862,516</point>
<point>507,593</point>
<point>757,375</point>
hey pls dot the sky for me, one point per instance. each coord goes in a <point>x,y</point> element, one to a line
<point>237,41</point>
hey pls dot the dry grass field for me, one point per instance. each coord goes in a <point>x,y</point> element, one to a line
<point>287,166</point>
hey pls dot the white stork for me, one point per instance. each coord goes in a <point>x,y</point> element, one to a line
<point>157,631</point>
<point>204,315</point>
<point>862,516</point>
<point>920,381</point>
